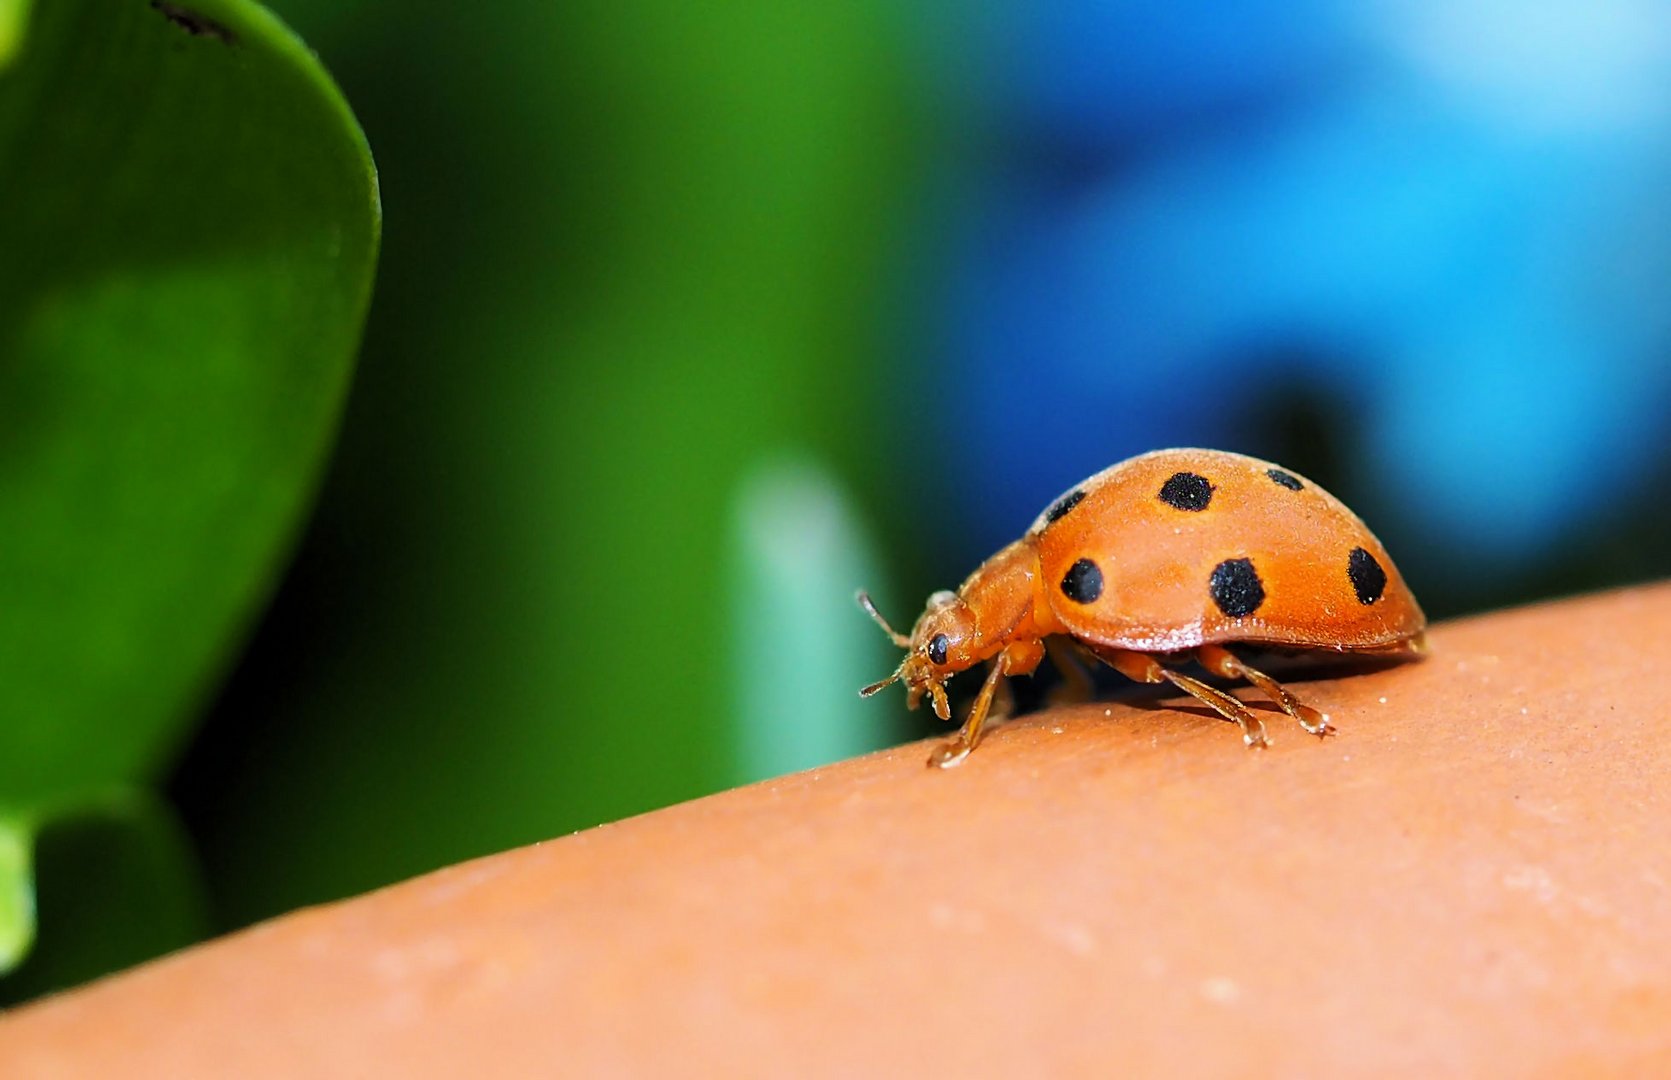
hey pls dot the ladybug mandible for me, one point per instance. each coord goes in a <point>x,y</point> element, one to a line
<point>1165,555</point>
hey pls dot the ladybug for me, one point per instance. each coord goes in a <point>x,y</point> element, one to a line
<point>1165,557</point>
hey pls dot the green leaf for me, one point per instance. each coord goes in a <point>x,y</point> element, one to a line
<point>189,223</point>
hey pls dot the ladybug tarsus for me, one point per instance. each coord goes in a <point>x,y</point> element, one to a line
<point>1223,662</point>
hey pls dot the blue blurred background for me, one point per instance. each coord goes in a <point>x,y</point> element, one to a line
<point>690,320</point>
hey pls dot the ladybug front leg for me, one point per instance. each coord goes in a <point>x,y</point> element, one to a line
<point>1141,667</point>
<point>1221,661</point>
<point>1018,658</point>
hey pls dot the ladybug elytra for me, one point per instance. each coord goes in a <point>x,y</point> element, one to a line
<point>1165,557</point>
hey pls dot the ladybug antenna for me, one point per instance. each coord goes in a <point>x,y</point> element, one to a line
<point>898,638</point>
<point>876,686</point>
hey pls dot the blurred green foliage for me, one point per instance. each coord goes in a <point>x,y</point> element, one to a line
<point>796,645</point>
<point>589,543</point>
<point>189,233</point>
<point>635,261</point>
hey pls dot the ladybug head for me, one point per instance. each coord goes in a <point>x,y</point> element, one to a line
<point>938,648</point>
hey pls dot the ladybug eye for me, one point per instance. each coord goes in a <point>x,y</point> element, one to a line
<point>937,648</point>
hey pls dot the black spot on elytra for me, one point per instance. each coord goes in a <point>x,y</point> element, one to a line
<point>937,648</point>
<point>1236,588</point>
<point>1186,491</point>
<point>1285,479</point>
<point>194,24</point>
<point>1369,581</point>
<point>1083,582</point>
<point>1061,506</point>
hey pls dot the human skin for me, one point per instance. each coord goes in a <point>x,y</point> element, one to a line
<point>1473,877</point>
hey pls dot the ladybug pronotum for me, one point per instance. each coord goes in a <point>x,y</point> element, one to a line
<point>1166,557</point>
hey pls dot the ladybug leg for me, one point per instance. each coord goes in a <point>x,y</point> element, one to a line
<point>1141,667</point>
<point>1019,658</point>
<point>1221,661</point>
<point>1003,703</point>
<point>954,750</point>
<point>1076,681</point>
<point>1253,728</point>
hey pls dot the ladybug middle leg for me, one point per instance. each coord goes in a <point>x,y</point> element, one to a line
<point>1221,661</point>
<point>1141,667</point>
<point>1076,683</point>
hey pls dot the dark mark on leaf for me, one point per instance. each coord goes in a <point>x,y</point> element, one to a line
<point>194,24</point>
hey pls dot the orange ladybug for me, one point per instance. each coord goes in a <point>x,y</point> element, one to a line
<point>1167,555</point>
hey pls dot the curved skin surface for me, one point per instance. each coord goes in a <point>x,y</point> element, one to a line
<point>1471,879</point>
<point>1288,544</point>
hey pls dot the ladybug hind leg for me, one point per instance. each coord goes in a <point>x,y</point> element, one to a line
<point>1253,728</point>
<point>1223,662</point>
<point>1141,667</point>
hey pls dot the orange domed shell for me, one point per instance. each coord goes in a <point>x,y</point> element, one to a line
<point>1180,548</point>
